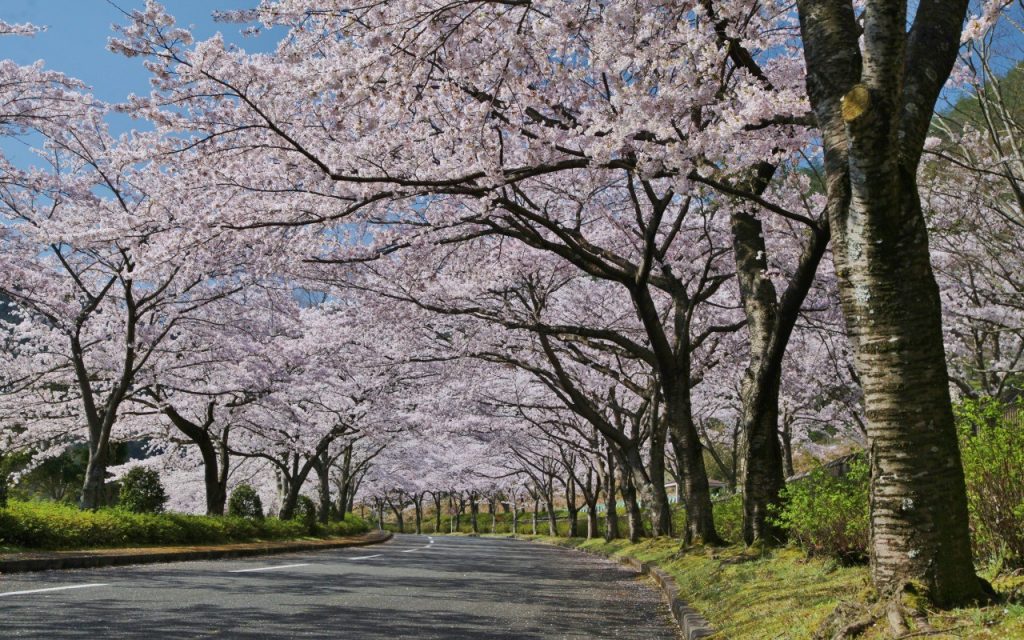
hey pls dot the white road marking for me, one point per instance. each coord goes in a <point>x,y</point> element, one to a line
<point>411,550</point>
<point>76,586</point>
<point>365,557</point>
<point>280,566</point>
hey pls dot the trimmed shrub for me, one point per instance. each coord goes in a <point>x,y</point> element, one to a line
<point>350,526</point>
<point>305,513</point>
<point>992,447</point>
<point>142,491</point>
<point>51,525</point>
<point>245,503</point>
<point>828,515</point>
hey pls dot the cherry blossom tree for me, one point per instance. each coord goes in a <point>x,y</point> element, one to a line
<point>90,255</point>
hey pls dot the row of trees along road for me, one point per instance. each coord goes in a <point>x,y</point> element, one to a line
<point>499,251</point>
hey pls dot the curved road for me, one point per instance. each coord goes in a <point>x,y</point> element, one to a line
<point>412,587</point>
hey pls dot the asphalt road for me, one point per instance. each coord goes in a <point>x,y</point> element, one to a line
<point>412,587</point>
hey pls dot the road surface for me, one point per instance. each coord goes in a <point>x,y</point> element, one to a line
<point>447,588</point>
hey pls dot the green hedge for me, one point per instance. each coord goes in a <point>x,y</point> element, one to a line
<point>47,525</point>
<point>350,526</point>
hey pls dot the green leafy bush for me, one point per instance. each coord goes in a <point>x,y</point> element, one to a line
<point>3,490</point>
<point>305,512</point>
<point>728,515</point>
<point>245,503</point>
<point>828,515</point>
<point>142,491</point>
<point>992,447</point>
<point>351,525</point>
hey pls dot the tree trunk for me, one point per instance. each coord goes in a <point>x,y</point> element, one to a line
<point>549,501</point>
<point>760,474</point>
<point>787,447</point>
<point>100,422</point>
<point>437,512</point>
<point>633,515</point>
<point>214,476</point>
<point>770,323</point>
<point>93,489</point>
<point>342,504</point>
<point>611,515</point>
<point>655,497</point>
<point>224,470</point>
<point>215,481</point>
<point>290,499</point>
<point>674,371</point>
<point>700,523</point>
<point>399,519</point>
<point>874,114</point>
<point>345,484</point>
<point>918,497</point>
<point>760,459</point>
<point>570,503</point>
<point>474,513</point>
<point>323,472</point>
<point>536,506</point>
<point>461,502</point>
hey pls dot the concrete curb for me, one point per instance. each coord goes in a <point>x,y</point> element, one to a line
<point>693,625</point>
<point>113,558</point>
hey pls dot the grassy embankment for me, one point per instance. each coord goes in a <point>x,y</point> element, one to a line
<point>30,526</point>
<point>782,594</point>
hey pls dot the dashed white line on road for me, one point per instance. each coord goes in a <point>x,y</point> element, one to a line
<point>365,557</point>
<point>280,566</point>
<point>411,550</point>
<point>75,586</point>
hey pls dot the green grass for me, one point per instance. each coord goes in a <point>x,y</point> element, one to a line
<point>26,526</point>
<point>782,594</point>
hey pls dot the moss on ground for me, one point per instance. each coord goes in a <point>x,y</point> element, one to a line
<point>781,594</point>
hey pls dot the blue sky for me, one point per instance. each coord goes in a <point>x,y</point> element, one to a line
<point>75,43</point>
<point>76,38</point>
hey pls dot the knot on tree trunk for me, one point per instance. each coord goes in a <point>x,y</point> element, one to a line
<point>855,103</point>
